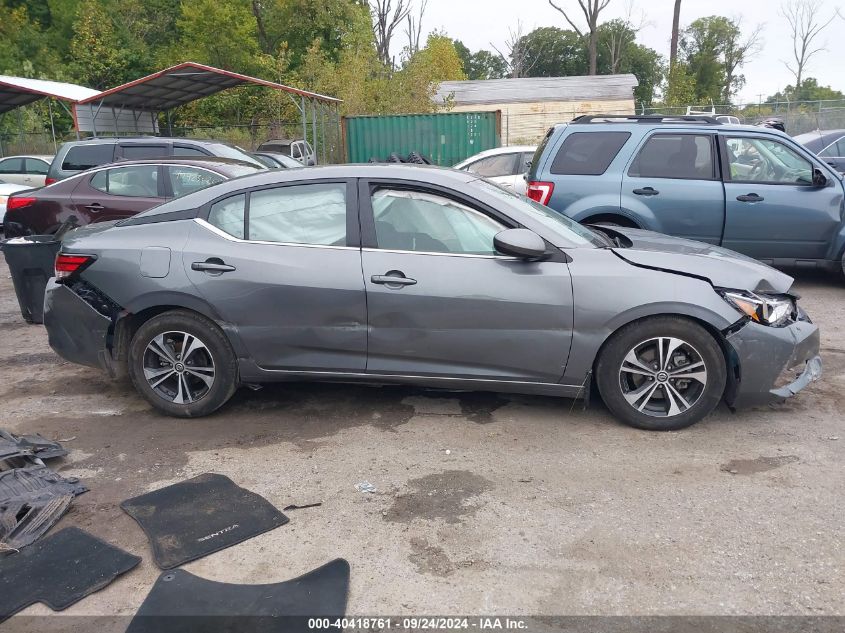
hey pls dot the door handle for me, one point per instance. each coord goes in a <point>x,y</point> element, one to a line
<point>95,206</point>
<point>395,279</point>
<point>751,197</point>
<point>213,265</point>
<point>646,191</point>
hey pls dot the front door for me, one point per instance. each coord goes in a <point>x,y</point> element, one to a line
<point>673,180</point>
<point>283,266</point>
<point>773,210</point>
<point>442,303</point>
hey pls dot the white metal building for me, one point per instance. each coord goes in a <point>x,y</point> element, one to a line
<point>531,105</point>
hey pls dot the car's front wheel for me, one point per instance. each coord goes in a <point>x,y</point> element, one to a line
<point>661,374</point>
<point>182,364</point>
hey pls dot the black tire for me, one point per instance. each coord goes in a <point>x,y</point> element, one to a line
<point>620,382</point>
<point>212,355</point>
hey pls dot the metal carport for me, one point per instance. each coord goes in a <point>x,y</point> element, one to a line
<point>135,106</point>
<point>20,91</point>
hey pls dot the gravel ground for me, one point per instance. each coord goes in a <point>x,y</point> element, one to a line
<point>484,504</point>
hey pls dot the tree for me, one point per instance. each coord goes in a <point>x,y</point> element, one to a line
<point>619,53</point>
<point>414,28</point>
<point>201,39</point>
<point>676,23</point>
<point>805,25</point>
<point>386,18</point>
<point>713,50</point>
<point>481,64</point>
<point>810,91</point>
<point>554,52</point>
<point>98,58</point>
<point>591,10</point>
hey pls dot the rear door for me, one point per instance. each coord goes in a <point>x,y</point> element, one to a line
<point>442,303</point>
<point>773,210</point>
<point>119,192</point>
<point>283,265</point>
<point>673,183</point>
<point>36,172</point>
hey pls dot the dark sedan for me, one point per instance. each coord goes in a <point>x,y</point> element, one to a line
<point>115,191</point>
<point>829,145</point>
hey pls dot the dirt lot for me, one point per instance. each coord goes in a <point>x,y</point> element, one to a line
<point>485,504</point>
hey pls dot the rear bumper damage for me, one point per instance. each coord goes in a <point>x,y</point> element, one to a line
<point>76,331</point>
<point>772,364</point>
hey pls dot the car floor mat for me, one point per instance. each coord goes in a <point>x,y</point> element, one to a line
<point>59,570</point>
<point>32,500</point>
<point>180,602</point>
<point>17,451</point>
<point>200,516</point>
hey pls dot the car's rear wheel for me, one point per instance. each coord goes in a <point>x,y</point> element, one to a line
<point>182,364</point>
<point>661,374</point>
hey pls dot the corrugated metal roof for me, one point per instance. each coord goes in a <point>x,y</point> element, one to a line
<point>533,89</point>
<point>19,91</point>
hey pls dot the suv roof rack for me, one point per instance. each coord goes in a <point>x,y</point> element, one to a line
<point>644,118</point>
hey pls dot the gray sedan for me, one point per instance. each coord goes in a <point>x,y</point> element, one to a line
<point>423,276</point>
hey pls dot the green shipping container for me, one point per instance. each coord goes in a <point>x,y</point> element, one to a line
<point>445,138</point>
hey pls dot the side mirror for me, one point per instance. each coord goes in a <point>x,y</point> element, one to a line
<point>520,243</point>
<point>819,179</point>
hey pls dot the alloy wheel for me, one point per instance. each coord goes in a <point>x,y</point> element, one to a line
<point>663,376</point>
<point>178,367</point>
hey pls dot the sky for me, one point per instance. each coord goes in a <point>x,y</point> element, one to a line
<point>477,23</point>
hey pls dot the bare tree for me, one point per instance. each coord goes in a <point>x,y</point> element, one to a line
<point>620,34</point>
<point>737,52</point>
<point>414,29</point>
<point>385,20</point>
<point>676,23</point>
<point>516,53</point>
<point>591,10</point>
<point>805,24</point>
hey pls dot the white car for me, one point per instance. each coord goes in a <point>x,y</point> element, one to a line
<point>504,165</point>
<point>7,189</point>
<point>30,170</point>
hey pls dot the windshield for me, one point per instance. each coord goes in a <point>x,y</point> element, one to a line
<point>230,151</point>
<point>570,229</point>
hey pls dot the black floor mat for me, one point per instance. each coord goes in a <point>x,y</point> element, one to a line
<point>200,516</point>
<point>180,602</point>
<point>59,570</point>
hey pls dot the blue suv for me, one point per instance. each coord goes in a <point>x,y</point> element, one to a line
<point>750,189</point>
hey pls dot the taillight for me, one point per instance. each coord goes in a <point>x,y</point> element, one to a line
<point>18,202</point>
<point>540,191</point>
<point>49,181</point>
<point>66,265</point>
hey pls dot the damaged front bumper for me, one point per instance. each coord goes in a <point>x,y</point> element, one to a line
<point>772,363</point>
<point>76,331</point>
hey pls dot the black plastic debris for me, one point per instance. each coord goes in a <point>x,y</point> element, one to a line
<point>302,507</point>
<point>200,516</point>
<point>17,451</point>
<point>59,570</point>
<point>180,602</point>
<point>32,500</point>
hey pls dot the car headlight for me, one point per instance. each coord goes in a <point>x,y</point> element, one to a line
<point>774,310</point>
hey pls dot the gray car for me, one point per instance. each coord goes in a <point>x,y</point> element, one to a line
<point>423,276</point>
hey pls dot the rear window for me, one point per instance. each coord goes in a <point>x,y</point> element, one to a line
<point>82,157</point>
<point>588,153</point>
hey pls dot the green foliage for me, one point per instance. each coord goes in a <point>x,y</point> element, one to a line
<point>481,64</point>
<point>552,52</point>
<point>810,91</point>
<point>680,87</point>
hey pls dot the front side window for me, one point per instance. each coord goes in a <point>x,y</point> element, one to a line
<point>229,215</point>
<point>138,181</point>
<point>184,180</point>
<point>684,156</point>
<point>299,214</point>
<point>11,166</point>
<point>834,150</point>
<point>493,166</point>
<point>766,161</point>
<point>408,220</point>
<point>588,153</point>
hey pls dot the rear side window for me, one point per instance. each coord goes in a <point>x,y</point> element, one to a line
<point>684,156</point>
<point>138,181</point>
<point>492,166</point>
<point>140,152</point>
<point>35,166</point>
<point>184,180</point>
<point>228,215</point>
<point>299,214</point>
<point>588,153</point>
<point>834,150</point>
<point>82,157</point>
